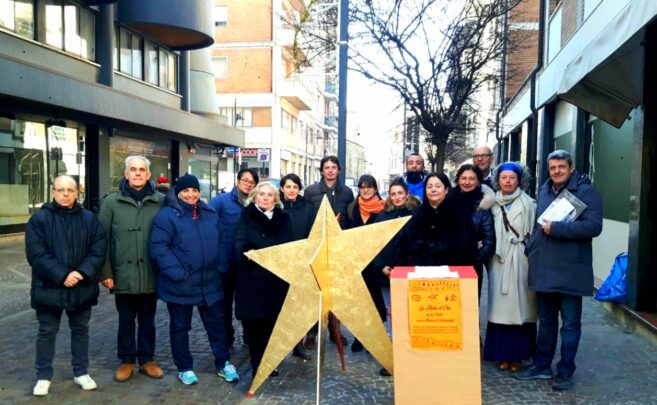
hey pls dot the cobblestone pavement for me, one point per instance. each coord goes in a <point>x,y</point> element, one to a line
<point>615,366</point>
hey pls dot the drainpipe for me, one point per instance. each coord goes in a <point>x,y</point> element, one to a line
<point>532,140</point>
<point>498,132</point>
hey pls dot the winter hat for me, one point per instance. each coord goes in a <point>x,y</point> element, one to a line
<point>187,181</point>
<point>162,179</point>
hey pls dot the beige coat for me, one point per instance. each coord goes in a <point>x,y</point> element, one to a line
<point>509,300</point>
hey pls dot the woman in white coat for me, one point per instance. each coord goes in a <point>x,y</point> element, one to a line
<point>511,330</point>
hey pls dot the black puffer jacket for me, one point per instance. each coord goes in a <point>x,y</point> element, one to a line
<point>259,294</point>
<point>441,236</point>
<point>302,215</point>
<point>339,197</point>
<point>60,240</point>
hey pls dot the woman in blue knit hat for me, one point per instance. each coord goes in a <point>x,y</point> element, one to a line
<point>511,330</point>
<point>184,241</point>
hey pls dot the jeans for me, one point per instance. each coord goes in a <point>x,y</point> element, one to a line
<point>549,305</point>
<point>142,307</point>
<point>385,291</point>
<point>180,323</point>
<point>78,322</point>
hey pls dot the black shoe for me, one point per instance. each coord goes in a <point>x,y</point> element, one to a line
<point>357,346</point>
<point>301,352</point>
<point>310,341</point>
<point>384,373</point>
<point>534,373</point>
<point>275,373</point>
<point>562,383</point>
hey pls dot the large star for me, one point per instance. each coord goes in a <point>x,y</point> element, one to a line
<point>324,273</point>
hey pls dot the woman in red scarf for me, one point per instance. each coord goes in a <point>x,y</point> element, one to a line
<point>363,211</point>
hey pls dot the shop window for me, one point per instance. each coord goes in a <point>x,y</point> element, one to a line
<point>71,27</point>
<point>18,16</point>
<point>122,147</point>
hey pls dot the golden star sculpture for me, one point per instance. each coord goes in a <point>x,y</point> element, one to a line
<point>324,273</point>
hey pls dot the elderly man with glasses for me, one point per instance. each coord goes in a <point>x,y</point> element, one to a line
<point>229,206</point>
<point>65,246</point>
<point>482,156</point>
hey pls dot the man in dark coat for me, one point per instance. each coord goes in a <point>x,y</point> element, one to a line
<point>482,156</point>
<point>561,270</point>
<point>229,207</point>
<point>127,216</point>
<point>65,245</point>
<point>339,196</point>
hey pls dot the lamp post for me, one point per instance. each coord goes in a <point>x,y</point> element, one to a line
<point>342,84</point>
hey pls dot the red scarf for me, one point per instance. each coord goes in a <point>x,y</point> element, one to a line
<point>367,208</point>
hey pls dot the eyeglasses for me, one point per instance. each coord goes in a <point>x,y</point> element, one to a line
<point>248,182</point>
<point>65,190</point>
<point>481,156</point>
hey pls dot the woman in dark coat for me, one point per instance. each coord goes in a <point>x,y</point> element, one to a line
<point>441,231</point>
<point>302,215</point>
<point>184,240</point>
<point>479,198</point>
<point>259,294</point>
<point>362,211</point>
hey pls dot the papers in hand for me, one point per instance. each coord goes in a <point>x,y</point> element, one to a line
<point>565,208</point>
<point>433,272</point>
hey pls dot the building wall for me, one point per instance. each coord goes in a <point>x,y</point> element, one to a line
<point>249,70</point>
<point>521,60</point>
<point>569,19</point>
<point>248,21</point>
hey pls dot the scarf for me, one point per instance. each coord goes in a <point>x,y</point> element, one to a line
<point>367,208</point>
<point>469,198</point>
<point>528,210</point>
<point>269,213</point>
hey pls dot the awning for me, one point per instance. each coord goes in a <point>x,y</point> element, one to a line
<point>606,79</point>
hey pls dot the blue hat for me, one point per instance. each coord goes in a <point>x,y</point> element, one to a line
<point>512,166</point>
<point>187,181</point>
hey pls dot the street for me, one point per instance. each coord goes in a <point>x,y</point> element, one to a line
<point>614,365</point>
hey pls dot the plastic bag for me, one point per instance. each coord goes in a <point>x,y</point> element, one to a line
<point>614,288</point>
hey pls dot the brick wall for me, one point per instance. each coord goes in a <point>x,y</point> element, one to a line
<point>569,10</point>
<point>248,21</point>
<point>249,70</point>
<point>523,44</point>
<point>525,11</point>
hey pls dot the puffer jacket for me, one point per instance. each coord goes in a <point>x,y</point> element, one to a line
<point>229,209</point>
<point>186,252</point>
<point>259,294</point>
<point>57,241</point>
<point>339,197</point>
<point>128,226</point>
<point>562,261</point>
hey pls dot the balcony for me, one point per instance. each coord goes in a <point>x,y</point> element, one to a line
<point>331,90</point>
<point>296,93</point>
<point>331,121</point>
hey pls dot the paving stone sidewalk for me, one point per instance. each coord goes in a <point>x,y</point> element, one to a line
<point>615,366</point>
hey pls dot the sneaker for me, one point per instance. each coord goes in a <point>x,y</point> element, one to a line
<point>86,382</point>
<point>357,346</point>
<point>188,377</point>
<point>534,373</point>
<point>229,373</point>
<point>301,352</point>
<point>41,388</point>
<point>561,383</point>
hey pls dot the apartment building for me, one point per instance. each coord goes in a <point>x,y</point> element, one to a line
<point>289,117</point>
<point>84,84</point>
<point>593,94</point>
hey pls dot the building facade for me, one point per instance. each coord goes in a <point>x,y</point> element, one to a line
<point>593,94</point>
<point>289,117</point>
<point>86,83</point>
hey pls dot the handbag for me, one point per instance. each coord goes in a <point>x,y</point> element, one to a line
<point>614,288</point>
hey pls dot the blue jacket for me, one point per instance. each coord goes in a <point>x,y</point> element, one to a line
<point>186,254</point>
<point>562,261</point>
<point>58,241</point>
<point>418,188</point>
<point>229,210</point>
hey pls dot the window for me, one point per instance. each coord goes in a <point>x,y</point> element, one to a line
<point>18,16</point>
<point>143,59</point>
<point>220,16</point>
<point>244,116</point>
<point>71,27</point>
<point>220,67</point>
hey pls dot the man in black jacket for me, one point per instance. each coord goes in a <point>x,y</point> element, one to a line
<point>65,245</point>
<point>339,196</point>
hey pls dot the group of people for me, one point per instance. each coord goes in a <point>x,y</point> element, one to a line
<point>146,246</point>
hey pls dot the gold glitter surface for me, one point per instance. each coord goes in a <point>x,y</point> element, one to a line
<point>332,260</point>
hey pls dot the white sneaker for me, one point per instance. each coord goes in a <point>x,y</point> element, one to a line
<point>85,382</point>
<point>41,388</point>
